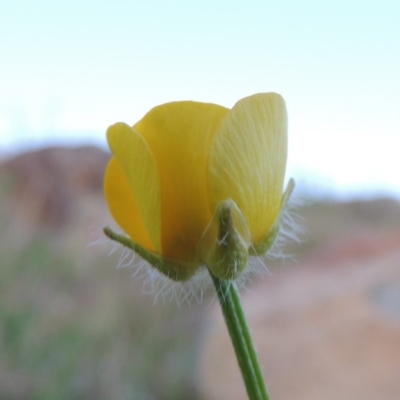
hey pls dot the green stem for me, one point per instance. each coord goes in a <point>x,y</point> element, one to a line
<point>241,339</point>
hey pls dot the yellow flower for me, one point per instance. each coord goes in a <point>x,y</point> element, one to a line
<point>196,184</point>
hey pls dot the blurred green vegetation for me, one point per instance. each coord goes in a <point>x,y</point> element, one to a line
<point>72,326</point>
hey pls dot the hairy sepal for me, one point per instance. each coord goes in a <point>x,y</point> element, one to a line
<point>225,242</point>
<point>175,270</point>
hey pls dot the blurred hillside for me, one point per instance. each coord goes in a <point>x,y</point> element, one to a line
<point>72,326</point>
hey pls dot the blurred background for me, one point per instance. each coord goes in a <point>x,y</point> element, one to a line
<point>326,320</point>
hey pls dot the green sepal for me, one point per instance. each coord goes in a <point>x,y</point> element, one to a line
<point>224,244</point>
<point>262,247</point>
<point>177,271</point>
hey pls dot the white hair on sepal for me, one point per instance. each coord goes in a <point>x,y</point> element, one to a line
<point>291,226</point>
<point>188,291</point>
<point>164,289</point>
<point>115,247</point>
<point>125,259</point>
<point>159,286</point>
<point>99,238</point>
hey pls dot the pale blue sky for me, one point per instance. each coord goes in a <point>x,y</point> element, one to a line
<point>70,69</point>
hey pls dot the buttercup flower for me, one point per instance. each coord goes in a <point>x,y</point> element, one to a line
<point>196,184</point>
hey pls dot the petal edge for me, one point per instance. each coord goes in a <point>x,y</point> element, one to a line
<point>140,168</point>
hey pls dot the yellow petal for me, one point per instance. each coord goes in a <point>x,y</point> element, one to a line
<point>260,248</point>
<point>248,160</point>
<point>140,170</point>
<point>180,135</point>
<point>123,206</point>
